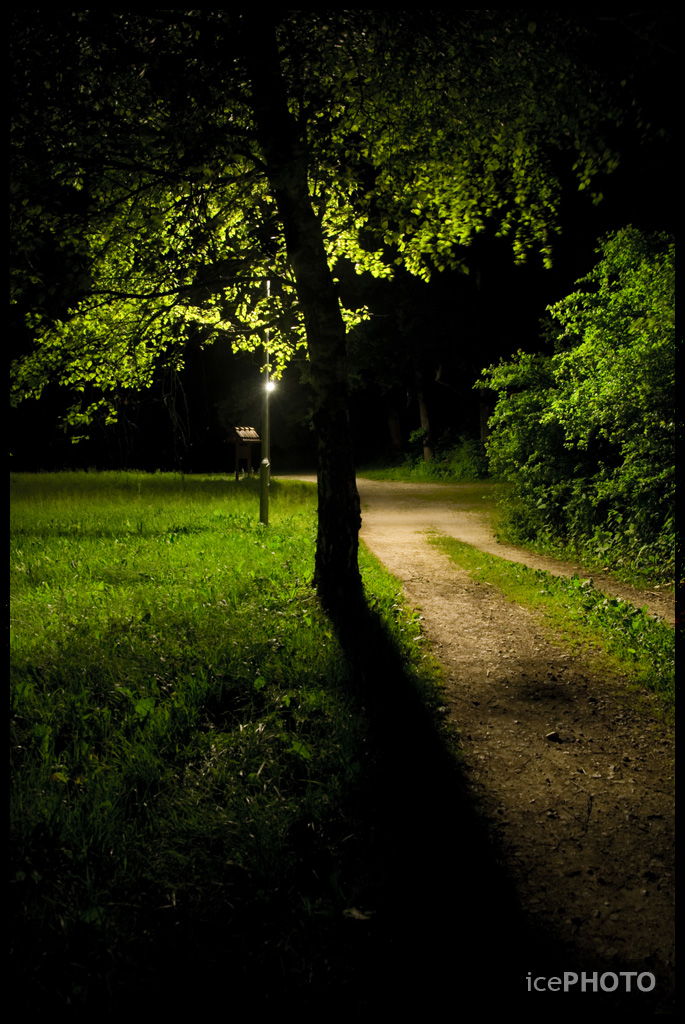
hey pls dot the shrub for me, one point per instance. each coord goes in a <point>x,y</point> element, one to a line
<point>587,434</point>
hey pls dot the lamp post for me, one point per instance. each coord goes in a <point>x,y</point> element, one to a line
<point>265,465</point>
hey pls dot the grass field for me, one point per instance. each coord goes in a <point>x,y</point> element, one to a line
<point>188,735</point>
<point>219,795</point>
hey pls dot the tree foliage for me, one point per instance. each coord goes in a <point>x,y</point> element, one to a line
<point>160,194</point>
<point>166,164</point>
<point>587,434</point>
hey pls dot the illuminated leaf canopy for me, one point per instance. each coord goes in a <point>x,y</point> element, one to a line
<point>143,216</point>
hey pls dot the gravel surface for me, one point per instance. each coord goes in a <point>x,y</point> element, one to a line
<point>576,772</point>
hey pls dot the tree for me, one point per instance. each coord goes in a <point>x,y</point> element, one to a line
<point>179,159</point>
<point>587,435</point>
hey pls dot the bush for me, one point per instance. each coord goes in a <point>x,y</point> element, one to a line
<point>459,460</point>
<point>587,434</point>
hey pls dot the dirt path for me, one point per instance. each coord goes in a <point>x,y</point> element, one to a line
<point>577,774</point>
<point>466,512</point>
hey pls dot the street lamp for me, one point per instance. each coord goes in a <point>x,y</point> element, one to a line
<point>265,466</point>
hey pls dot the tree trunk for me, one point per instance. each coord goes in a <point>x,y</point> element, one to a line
<point>285,154</point>
<point>423,414</point>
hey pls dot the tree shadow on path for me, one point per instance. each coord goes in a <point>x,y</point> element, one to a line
<point>442,919</point>
<point>413,909</point>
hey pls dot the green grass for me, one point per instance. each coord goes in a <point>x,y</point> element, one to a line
<point>188,740</point>
<point>218,794</point>
<point>635,644</point>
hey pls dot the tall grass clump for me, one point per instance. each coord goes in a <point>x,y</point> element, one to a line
<point>186,743</point>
